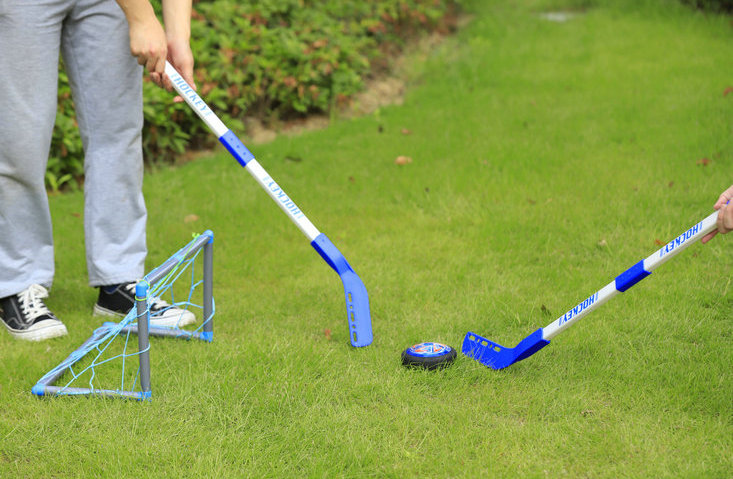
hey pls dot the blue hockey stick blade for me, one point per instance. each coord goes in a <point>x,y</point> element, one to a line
<point>357,298</point>
<point>496,356</point>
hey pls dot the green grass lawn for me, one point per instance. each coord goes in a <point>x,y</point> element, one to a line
<point>548,157</point>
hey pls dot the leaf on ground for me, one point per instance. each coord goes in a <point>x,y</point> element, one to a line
<point>405,131</point>
<point>703,162</point>
<point>402,160</point>
<point>327,334</point>
<point>603,243</point>
<point>190,218</point>
<point>658,242</point>
<point>545,310</point>
<point>728,90</point>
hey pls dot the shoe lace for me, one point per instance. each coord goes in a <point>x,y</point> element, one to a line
<point>156,304</point>
<point>31,301</point>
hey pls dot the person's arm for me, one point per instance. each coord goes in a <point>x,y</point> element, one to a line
<point>147,39</point>
<point>725,215</point>
<point>152,45</point>
<point>177,19</point>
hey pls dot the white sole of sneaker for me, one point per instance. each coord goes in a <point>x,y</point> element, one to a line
<point>47,329</point>
<point>170,318</point>
<point>100,311</point>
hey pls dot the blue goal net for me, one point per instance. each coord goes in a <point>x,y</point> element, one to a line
<point>174,300</point>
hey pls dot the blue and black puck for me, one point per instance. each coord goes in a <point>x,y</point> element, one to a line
<point>429,356</point>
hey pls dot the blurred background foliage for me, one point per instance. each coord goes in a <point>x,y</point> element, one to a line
<point>273,60</point>
<point>269,59</point>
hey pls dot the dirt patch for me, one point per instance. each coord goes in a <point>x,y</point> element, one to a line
<point>378,93</point>
<point>559,16</point>
<point>381,91</point>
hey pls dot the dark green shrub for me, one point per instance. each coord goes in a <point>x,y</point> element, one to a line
<point>66,158</point>
<point>712,5</point>
<point>273,59</point>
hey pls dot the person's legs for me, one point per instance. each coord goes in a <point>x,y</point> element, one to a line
<point>107,88</point>
<point>29,51</point>
<point>29,46</point>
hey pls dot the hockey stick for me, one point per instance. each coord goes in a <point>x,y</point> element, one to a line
<point>357,299</point>
<point>496,356</point>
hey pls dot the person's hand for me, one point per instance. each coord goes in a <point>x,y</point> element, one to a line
<point>725,215</point>
<point>152,45</point>
<point>148,44</point>
<point>181,58</point>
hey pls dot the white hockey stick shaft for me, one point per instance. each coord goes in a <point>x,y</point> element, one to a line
<point>631,276</point>
<point>241,153</point>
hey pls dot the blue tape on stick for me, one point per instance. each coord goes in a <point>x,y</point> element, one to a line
<point>330,254</point>
<point>631,276</point>
<point>236,148</point>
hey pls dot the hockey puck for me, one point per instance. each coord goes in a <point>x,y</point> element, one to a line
<point>429,356</point>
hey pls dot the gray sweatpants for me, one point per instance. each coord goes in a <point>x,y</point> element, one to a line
<point>106,85</point>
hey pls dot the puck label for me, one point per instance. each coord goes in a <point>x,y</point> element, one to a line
<point>429,350</point>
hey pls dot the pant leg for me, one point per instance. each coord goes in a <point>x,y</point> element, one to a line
<point>106,85</point>
<point>29,48</point>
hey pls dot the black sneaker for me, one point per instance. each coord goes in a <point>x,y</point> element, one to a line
<point>118,301</point>
<point>26,316</point>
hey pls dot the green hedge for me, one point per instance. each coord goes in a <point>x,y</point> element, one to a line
<point>712,5</point>
<point>273,59</point>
